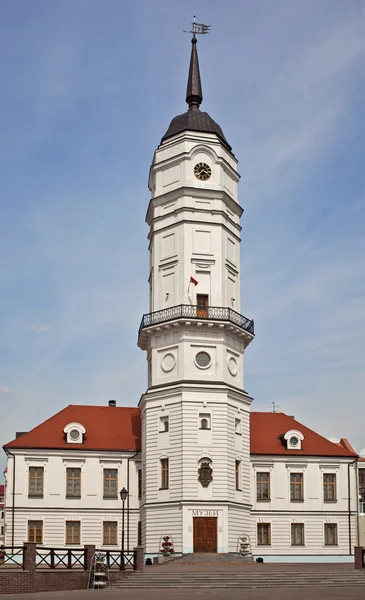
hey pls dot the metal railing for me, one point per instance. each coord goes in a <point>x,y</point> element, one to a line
<point>115,559</point>
<point>54,558</point>
<point>11,556</point>
<point>189,311</point>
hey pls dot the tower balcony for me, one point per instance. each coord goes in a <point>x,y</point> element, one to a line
<point>195,314</point>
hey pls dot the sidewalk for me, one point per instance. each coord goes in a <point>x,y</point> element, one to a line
<point>202,594</point>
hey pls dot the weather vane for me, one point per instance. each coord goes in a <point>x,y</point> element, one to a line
<point>198,28</point>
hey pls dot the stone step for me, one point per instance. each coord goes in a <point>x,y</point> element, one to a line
<point>229,580</point>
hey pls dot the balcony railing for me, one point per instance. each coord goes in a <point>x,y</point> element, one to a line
<point>188,311</point>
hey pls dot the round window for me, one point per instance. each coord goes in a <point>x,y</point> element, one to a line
<point>168,362</point>
<point>74,434</point>
<point>294,440</point>
<point>203,360</point>
<point>232,366</point>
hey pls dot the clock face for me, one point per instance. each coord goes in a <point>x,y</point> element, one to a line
<point>202,171</point>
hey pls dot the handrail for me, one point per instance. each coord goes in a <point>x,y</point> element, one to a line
<point>11,555</point>
<point>113,559</point>
<point>54,558</point>
<point>190,311</point>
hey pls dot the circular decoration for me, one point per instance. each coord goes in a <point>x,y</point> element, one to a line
<point>202,171</point>
<point>203,360</point>
<point>233,366</point>
<point>168,362</point>
<point>293,440</point>
<point>74,434</point>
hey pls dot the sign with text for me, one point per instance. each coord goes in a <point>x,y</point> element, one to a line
<point>205,513</point>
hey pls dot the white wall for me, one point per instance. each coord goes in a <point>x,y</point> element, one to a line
<point>313,511</point>
<point>54,509</point>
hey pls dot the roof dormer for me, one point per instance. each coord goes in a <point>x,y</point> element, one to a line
<point>293,439</point>
<point>74,433</point>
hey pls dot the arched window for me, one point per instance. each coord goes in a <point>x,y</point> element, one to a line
<point>166,425</point>
<point>204,424</point>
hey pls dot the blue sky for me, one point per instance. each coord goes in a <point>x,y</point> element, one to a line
<point>88,90</point>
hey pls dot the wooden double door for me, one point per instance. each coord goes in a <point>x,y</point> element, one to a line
<point>205,534</point>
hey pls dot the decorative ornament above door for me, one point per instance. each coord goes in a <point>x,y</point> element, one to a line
<point>205,474</point>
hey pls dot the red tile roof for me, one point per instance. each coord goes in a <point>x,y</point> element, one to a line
<point>119,428</point>
<point>107,428</point>
<point>267,429</point>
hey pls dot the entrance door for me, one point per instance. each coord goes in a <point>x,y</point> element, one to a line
<point>202,301</point>
<point>205,534</point>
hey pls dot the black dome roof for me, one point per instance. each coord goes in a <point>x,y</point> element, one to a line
<point>195,120</point>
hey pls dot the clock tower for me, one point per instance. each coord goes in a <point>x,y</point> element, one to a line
<point>195,412</point>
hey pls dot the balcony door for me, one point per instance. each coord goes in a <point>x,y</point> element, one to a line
<point>202,301</point>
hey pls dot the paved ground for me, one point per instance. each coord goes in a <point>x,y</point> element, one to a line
<point>157,594</point>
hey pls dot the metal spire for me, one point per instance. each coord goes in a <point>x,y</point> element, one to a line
<point>194,93</point>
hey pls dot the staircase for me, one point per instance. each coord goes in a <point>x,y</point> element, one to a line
<point>232,571</point>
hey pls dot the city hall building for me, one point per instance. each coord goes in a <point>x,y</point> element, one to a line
<point>198,464</point>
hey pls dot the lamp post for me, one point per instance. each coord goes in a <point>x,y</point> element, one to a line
<point>123,495</point>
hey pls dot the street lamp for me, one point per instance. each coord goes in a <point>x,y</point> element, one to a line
<point>123,495</point>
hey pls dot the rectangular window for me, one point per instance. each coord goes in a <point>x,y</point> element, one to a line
<point>362,483</point>
<point>329,487</point>
<point>238,475</point>
<point>35,531</point>
<point>110,529</point>
<point>297,534</point>
<point>73,532</point>
<point>139,533</point>
<point>35,487</point>
<point>164,424</point>
<point>139,472</point>
<point>330,534</point>
<point>296,486</point>
<point>263,534</point>
<point>263,486</point>
<point>204,421</point>
<point>73,486</point>
<point>110,483</point>
<point>164,473</point>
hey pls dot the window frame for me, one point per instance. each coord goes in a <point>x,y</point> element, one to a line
<point>238,475</point>
<point>110,527</point>
<point>164,425</point>
<point>260,484</point>
<point>327,532</point>
<point>164,474</point>
<point>70,477</point>
<point>327,486</point>
<point>238,426</point>
<point>260,533</point>
<point>33,531</point>
<point>293,486</point>
<point>108,481</point>
<point>206,417</point>
<point>75,528</point>
<point>35,478</point>
<point>140,483</point>
<point>293,528</point>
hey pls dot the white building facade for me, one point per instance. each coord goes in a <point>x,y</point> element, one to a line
<point>195,340</point>
<point>198,465</point>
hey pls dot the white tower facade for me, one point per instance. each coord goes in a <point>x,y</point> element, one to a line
<point>195,413</point>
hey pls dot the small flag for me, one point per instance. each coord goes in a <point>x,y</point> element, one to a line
<point>194,281</point>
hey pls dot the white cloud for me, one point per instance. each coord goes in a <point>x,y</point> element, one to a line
<point>39,328</point>
<point>4,389</point>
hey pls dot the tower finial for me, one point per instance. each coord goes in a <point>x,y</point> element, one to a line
<point>194,93</point>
